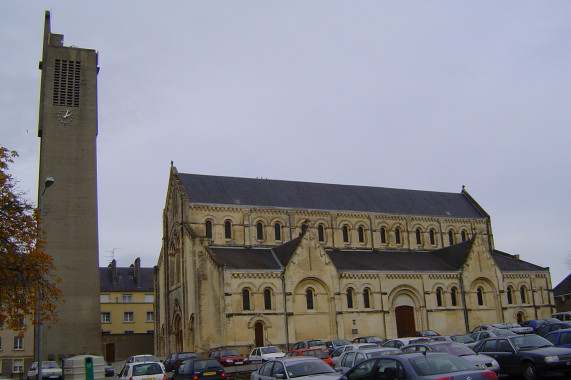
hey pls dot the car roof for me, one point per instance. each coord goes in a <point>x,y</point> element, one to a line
<point>288,359</point>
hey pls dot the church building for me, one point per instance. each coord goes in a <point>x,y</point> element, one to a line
<point>253,262</point>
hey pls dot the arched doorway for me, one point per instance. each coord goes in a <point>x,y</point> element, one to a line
<point>177,328</point>
<point>405,321</point>
<point>259,334</point>
<point>520,317</point>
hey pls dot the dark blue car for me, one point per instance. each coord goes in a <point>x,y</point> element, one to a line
<point>561,338</point>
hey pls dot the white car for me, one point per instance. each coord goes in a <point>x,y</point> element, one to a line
<point>263,354</point>
<point>143,371</point>
<point>142,358</point>
<point>50,370</point>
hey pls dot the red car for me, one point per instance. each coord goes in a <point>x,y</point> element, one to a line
<point>228,357</point>
<point>316,352</point>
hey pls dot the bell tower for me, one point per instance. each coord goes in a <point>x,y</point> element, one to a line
<point>68,131</point>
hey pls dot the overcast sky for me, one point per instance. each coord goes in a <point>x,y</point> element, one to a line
<point>412,95</point>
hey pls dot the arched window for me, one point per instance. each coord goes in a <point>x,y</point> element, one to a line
<point>509,292</point>
<point>383,235</point>
<point>367,298</point>
<point>278,231</point>
<point>480,295</point>
<point>208,227</point>
<point>418,236</point>
<point>228,229</point>
<point>321,232</point>
<point>431,236</point>
<point>267,299</point>
<point>397,235</point>
<point>361,232</point>
<point>439,296</point>
<point>464,235</point>
<point>522,294</point>
<point>451,237</point>
<point>304,227</point>
<point>309,299</point>
<point>345,234</point>
<point>246,299</point>
<point>259,231</point>
<point>453,292</point>
<point>350,298</point>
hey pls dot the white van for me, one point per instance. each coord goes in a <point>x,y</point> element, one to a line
<point>563,316</point>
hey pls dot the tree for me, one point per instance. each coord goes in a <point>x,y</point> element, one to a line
<point>28,287</point>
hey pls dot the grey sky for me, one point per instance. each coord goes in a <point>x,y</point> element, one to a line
<point>415,95</point>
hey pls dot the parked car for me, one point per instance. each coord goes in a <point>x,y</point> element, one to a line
<point>349,359</point>
<point>493,326</point>
<point>197,368</point>
<point>142,358</point>
<point>535,324</point>
<point>561,338</point>
<point>425,333</point>
<point>483,362</point>
<point>50,370</point>
<point>416,366</point>
<point>228,357</point>
<point>399,342</point>
<point>480,335</point>
<point>351,347</point>
<point>143,371</point>
<point>458,338</point>
<point>298,367</point>
<point>312,343</point>
<point>369,339</point>
<point>315,352</point>
<point>332,345</point>
<point>562,316</point>
<point>546,328</point>
<point>518,329</point>
<point>174,360</point>
<point>528,355</point>
<point>263,354</point>
<point>109,371</point>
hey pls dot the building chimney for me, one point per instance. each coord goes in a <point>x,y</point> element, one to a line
<point>138,271</point>
<point>113,266</point>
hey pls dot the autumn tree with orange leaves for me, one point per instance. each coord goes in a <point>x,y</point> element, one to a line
<point>28,286</point>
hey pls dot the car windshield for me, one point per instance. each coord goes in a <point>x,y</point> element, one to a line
<point>529,342</point>
<point>341,342</point>
<point>439,364</point>
<point>187,355</point>
<point>146,358</point>
<point>462,339</point>
<point>147,369</point>
<point>229,353</point>
<point>206,364</point>
<point>270,350</point>
<point>427,333</point>
<point>452,348</point>
<point>49,365</point>
<point>308,368</point>
<point>313,343</point>
<point>504,333</point>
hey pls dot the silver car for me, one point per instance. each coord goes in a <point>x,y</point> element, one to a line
<point>297,367</point>
<point>349,359</point>
<point>351,347</point>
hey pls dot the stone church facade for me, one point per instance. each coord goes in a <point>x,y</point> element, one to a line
<point>251,262</point>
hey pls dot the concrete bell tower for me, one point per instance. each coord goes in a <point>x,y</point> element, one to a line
<point>68,131</point>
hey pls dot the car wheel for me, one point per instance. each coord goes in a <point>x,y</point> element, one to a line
<point>529,371</point>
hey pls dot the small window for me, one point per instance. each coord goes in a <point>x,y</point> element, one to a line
<point>397,236</point>
<point>259,231</point>
<point>367,298</point>
<point>453,296</point>
<point>105,317</point>
<point>303,227</point>
<point>309,299</point>
<point>350,298</point>
<point>246,299</point>
<point>480,296</point>
<point>228,229</point>
<point>464,236</point>
<point>345,234</point>
<point>128,317</point>
<point>267,299</point>
<point>208,227</point>
<point>17,365</point>
<point>509,295</point>
<point>321,233</point>
<point>18,343</point>
<point>127,298</point>
<point>383,236</point>
<point>439,296</point>
<point>278,231</point>
<point>150,316</point>
<point>431,237</point>
<point>522,292</point>
<point>361,232</point>
<point>451,237</point>
<point>418,236</point>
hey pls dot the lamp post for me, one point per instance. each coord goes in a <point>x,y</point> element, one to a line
<point>47,183</point>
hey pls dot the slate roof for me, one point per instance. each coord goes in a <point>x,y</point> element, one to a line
<point>509,263</point>
<point>245,258</point>
<point>218,190</point>
<point>125,282</point>
<point>563,288</point>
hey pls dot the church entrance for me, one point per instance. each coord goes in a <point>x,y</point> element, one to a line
<point>405,321</point>
<point>259,334</point>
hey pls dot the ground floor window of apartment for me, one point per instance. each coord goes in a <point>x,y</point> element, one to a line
<point>17,365</point>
